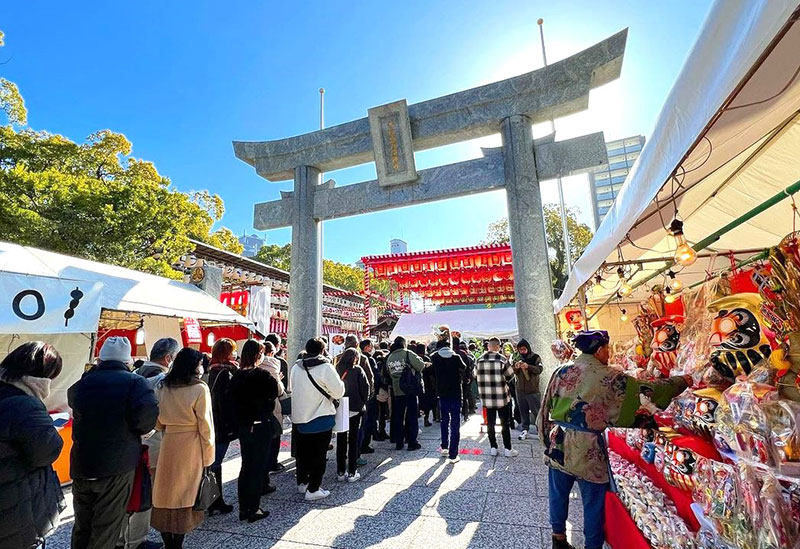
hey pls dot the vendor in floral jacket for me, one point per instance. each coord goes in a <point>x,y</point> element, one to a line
<point>582,400</point>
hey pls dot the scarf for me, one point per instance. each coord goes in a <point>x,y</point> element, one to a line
<point>37,387</point>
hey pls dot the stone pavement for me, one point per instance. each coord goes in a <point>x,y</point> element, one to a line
<point>405,499</point>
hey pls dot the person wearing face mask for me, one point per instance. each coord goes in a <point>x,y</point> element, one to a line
<point>582,400</point>
<point>30,496</point>
<point>187,447</point>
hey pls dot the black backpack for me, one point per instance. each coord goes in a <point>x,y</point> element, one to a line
<point>410,380</point>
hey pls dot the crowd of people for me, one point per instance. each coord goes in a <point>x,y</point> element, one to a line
<point>171,420</point>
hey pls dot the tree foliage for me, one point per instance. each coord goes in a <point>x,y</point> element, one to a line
<point>94,200</point>
<point>341,275</point>
<point>579,237</point>
<point>224,239</point>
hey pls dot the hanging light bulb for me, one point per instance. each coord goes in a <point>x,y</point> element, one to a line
<point>675,284</point>
<point>210,339</point>
<point>597,289</point>
<point>671,297</point>
<point>626,289</point>
<point>624,317</point>
<point>684,254</point>
<point>140,336</point>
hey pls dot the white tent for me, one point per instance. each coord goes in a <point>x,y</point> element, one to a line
<point>727,140</point>
<point>37,302</point>
<point>479,323</point>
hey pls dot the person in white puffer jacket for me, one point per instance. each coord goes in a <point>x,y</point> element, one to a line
<point>315,386</point>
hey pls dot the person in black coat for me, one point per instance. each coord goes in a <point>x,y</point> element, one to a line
<point>221,370</point>
<point>30,495</point>
<point>356,389</point>
<point>468,399</point>
<point>254,390</point>
<point>449,370</point>
<point>428,404</point>
<point>112,408</point>
<point>275,339</point>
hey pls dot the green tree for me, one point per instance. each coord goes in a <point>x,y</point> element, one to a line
<point>224,239</point>
<point>276,256</point>
<point>340,275</point>
<point>11,102</point>
<point>93,199</point>
<point>579,237</point>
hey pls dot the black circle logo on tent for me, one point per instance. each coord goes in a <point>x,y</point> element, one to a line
<point>15,305</point>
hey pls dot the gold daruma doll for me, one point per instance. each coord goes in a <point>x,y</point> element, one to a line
<point>737,334</point>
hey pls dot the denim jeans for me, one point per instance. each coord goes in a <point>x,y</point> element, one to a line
<point>369,423</point>
<point>593,496</point>
<point>451,424</point>
<point>405,420</point>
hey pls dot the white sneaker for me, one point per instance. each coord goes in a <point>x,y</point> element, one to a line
<point>454,460</point>
<point>355,477</point>
<point>319,494</point>
<point>341,478</point>
<point>444,451</point>
<point>523,435</point>
<point>493,451</point>
<point>302,488</point>
<point>511,453</point>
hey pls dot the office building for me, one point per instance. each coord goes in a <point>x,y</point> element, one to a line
<point>251,243</point>
<point>606,180</point>
<point>397,246</point>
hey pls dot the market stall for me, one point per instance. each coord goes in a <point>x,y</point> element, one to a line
<point>706,222</point>
<point>74,304</point>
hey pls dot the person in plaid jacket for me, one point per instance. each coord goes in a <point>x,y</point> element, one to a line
<point>493,372</point>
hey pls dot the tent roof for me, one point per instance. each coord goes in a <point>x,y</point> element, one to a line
<point>123,289</point>
<point>481,323</point>
<point>726,140</point>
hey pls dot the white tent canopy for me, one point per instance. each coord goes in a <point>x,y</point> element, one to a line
<point>478,323</point>
<point>104,287</point>
<point>727,139</point>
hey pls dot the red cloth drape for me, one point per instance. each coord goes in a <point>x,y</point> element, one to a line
<point>621,531</point>
<point>681,498</point>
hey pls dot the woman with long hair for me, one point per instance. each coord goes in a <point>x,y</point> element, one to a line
<point>29,444</point>
<point>184,403</point>
<point>254,391</point>
<point>221,369</point>
<point>356,389</point>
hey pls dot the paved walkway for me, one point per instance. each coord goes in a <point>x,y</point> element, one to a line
<point>405,499</point>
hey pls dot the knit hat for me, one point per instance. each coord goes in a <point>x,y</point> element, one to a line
<point>116,348</point>
<point>589,342</point>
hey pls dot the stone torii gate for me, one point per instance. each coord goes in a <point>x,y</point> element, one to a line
<point>390,135</point>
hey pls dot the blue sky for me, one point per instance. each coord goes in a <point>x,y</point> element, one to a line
<point>183,79</point>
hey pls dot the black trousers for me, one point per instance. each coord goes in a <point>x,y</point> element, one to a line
<point>255,442</point>
<point>347,446</point>
<point>405,420</point>
<point>311,450</point>
<point>369,423</point>
<point>505,420</point>
<point>273,454</point>
<point>100,509</point>
<point>468,399</point>
<point>383,416</point>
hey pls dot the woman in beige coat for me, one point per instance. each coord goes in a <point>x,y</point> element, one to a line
<point>184,405</point>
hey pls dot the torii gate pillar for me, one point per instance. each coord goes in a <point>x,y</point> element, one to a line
<point>533,289</point>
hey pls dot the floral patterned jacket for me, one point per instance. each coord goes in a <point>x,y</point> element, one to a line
<point>592,396</point>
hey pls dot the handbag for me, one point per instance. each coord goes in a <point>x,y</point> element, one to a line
<point>286,404</point>
<point>142,491</point>
<point>208,491</point>
<point>410,380</point>
<point>342,421</point>
<point>383,395</point>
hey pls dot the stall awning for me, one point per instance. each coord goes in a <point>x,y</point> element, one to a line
<point>480,323</point>
<point>725,141</point>
<point>120,289</point>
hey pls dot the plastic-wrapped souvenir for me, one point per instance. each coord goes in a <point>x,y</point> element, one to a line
<point>737,336</point>
<point>666,338</point>
<point>751,430</point>
<point>705,410</point>
<point>680,469</point>
<point>783,418</point>
<point>776,531</point>
<point>723,504</point>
